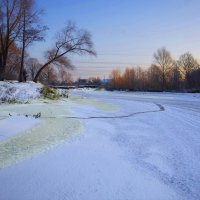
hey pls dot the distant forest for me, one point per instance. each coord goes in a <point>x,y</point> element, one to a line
<point>165,74</point>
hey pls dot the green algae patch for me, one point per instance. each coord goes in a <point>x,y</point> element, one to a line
<point>107,107</point>
<point>56,127</point>
<point>53,130</point>
<point>47,108</point>
<point>49,134</point>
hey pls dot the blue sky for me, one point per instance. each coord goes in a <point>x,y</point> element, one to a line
<point>125,33</point>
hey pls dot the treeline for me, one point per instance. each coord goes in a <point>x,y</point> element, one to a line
<point>165,74</point>
<point>20,26</point>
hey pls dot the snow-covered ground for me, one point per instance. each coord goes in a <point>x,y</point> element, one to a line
<point>120,146</point>
<point>13,90</point>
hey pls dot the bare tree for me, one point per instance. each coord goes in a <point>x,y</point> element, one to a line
<point>129,78</point>
<point>187,64</point>
<point>31,30</point>
<point>116,78</point>
<point>32,65</point>
<point>13,63</point>
<point>163,59</point>
<point>48,76</point>
<point>69,40</point>
<point>195,80</point>
<point>66,77</point>
<point>154,78</point>
<point>140,78</point>
<point>10,15</point>
<point>19,23</point>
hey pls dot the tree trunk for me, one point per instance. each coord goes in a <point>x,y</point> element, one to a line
<point>38,73</point>
<point>2,70</point>
<point>3,58</point>
<point>1,67</point>
<point>21,73</point>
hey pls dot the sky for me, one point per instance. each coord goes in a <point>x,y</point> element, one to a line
<point>125,33</point>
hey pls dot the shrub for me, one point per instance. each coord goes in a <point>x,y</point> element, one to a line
<point>50,93</point>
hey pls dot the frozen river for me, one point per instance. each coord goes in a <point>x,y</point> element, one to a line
<point>139,146</point>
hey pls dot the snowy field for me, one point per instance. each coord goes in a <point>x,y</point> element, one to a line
<point>101,145</point>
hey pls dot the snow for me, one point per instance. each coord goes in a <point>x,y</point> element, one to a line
<point>27,136</point>
<point>15,125</point>
<point>120,146</point>
<point>14,90</point>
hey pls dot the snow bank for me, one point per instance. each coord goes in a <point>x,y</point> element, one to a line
<point>14,90</point>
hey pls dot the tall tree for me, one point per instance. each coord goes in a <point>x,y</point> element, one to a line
<point>195,79</point>
<point>154,78</point>
<point>164,61</point>
<point>129,78</point>
<point>31,30</point>
<point>140,78</point>
<point>175,78</point>
<point>187,64</point>
<point>13,63</point>
<point>69,40</point>
<point>32,65</point>
<point>116,79</point>
<point>10,15</point>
